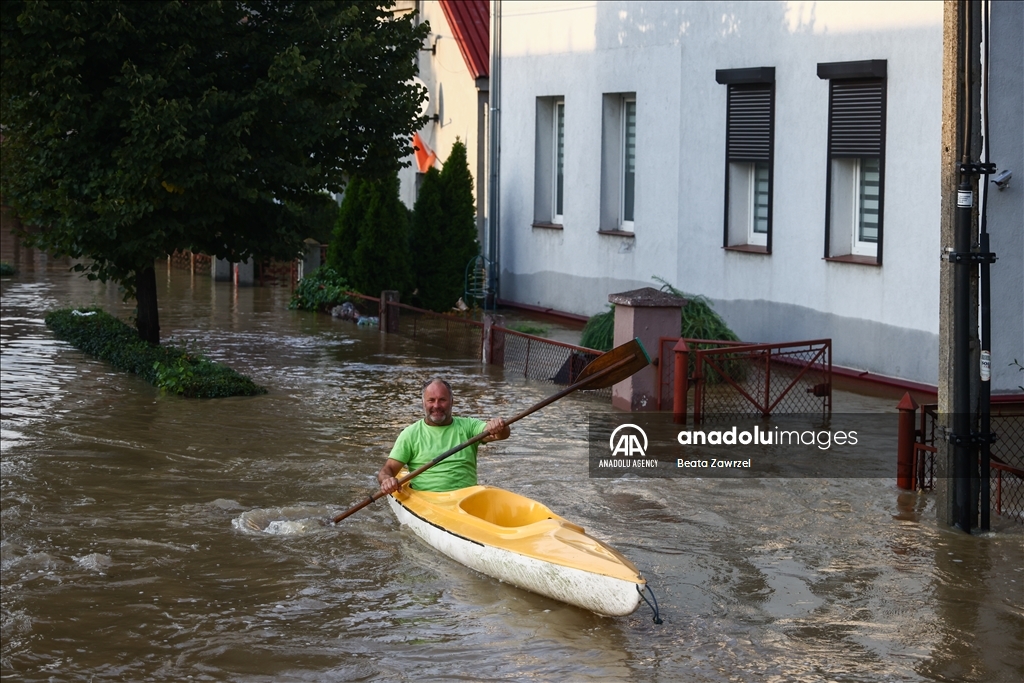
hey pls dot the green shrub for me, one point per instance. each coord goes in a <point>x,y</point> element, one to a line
<point>321,290</point>
<point>599,332</point>
<point>699,321</point>
<point>172,369</point>
<point>7,269</point>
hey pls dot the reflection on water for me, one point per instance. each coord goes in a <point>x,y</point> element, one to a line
<point>147,537</point>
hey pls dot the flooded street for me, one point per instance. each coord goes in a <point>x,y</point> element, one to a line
<point>120,559</point>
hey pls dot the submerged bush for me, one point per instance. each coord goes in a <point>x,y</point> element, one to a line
<point>172,369</point>
<point>321,290</point>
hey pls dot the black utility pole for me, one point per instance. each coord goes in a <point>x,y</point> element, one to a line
<point>963,437</point>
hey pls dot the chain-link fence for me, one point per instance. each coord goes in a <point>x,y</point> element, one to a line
<point>526,355</point>
<point>454,332</point>
<point>521,354</point>
<point>1007,480</point>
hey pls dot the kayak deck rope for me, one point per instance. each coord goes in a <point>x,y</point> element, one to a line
<point>654,607</point>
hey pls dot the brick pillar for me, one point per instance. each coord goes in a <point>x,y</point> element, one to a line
<point>646,314</point>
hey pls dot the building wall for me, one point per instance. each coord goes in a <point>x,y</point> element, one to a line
<point>1006,207</point>
<point>455,99</point>
<point>881,319</point>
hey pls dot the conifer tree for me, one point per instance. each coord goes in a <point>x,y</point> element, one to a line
<point>381,258</point>
<point>348,227</point>
<point>444,239</point>
<point>427,232</point>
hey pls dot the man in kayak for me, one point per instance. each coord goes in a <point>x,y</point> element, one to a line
<point>438,431</point>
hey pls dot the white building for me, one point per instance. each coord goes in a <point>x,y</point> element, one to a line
<point>780,158</point>
<point>453,65</point>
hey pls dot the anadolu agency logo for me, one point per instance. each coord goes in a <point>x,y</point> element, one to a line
<point>628,445</point>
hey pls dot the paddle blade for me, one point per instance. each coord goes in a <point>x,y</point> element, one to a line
<point>633,357</point>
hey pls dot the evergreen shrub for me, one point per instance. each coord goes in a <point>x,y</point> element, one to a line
<point>172,369</point>
<point>381,257</point>
<point>444,234</point>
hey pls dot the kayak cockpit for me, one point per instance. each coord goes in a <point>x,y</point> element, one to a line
<point>505,509</point>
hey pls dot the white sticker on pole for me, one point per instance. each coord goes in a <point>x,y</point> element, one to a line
<point>965,198</point>
<point>986,366</point>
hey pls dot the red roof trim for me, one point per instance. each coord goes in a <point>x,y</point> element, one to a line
<point>470,21</point>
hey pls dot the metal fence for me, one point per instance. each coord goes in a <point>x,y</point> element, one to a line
<point>1007,476</point>
<point>521,354</point>
<point>532,357</point>
<point>736,379</point>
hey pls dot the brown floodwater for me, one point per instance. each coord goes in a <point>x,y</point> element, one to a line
<point>125,555</point>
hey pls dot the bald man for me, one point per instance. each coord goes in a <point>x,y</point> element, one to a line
<point>437,432</point>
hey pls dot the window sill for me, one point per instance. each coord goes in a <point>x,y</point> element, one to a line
<point>617,233</point>
<point>854,258</point>
<point>748,249</point>
<point>548,226</point>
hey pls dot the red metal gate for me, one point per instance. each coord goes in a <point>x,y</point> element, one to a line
<point>735,378</point>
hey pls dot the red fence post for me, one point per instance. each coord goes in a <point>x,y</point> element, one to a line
<point>905,443</point>
<point>680,381</point>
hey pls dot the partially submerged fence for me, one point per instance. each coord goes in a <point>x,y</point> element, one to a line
<point>534,357</point>
<point>521,354</point>
<point>1006,467</point>
<point>738,379</point>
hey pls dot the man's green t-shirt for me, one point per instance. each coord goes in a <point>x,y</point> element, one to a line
<point>419,443</point>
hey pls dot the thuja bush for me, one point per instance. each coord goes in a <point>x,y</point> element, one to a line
<point>175,370</point>
<point>321,290</point>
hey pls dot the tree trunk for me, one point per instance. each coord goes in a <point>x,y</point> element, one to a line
<point>147,321</point>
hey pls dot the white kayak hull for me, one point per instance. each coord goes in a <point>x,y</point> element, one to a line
<point>606,595</point>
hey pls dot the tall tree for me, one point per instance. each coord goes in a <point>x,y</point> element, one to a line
<point>347,228</point>
<point>132,129</point>
<point>460,243</point>
<point>444,232</point>
<point>428,227</point>
<point>381,257</point>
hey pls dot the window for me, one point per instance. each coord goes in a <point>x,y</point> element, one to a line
<point>549,171</point>
<point>618,163</point>
<point>559,161</point>
<point>628,184</point>
<point>855,183</point>
<point>749,156</point>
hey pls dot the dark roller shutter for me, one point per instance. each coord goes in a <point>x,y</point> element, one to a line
<point>749,127</point>
<point>856,118</point>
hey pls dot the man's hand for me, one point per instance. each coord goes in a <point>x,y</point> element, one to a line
<point>497,430</point>
<point>386,477</point>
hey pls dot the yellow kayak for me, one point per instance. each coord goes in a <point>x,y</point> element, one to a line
<point>519,541</point>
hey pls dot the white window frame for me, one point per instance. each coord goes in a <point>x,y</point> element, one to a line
<point>558,160</point>
<point>860,247</point>
<point>627,225</point>
<point>753,236</point>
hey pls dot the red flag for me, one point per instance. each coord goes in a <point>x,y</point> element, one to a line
<point>425,156</point>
